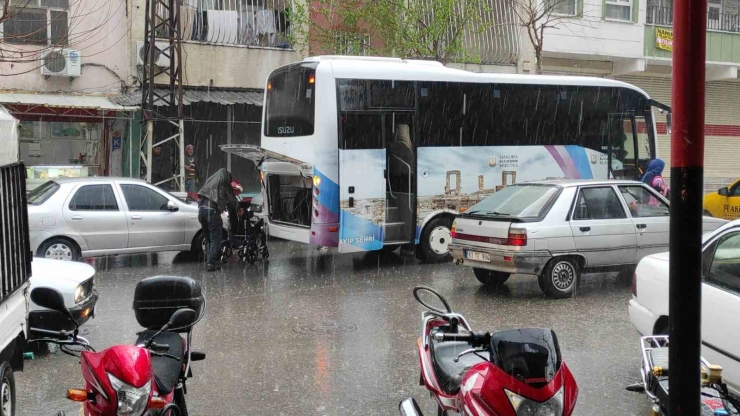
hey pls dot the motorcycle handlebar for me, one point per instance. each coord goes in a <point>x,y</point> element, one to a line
<point>472,338</point>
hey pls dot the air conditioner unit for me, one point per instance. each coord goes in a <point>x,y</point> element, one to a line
<point>159,58</point>
<point>59,62</point>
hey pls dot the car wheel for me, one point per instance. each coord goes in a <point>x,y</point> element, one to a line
<point>490,278</point>
<point>199,244</point>
<point>707,213</point>
<point>435,241</point>
<point>560,278</point>
<point>7,390</point>
<point>59,249</point>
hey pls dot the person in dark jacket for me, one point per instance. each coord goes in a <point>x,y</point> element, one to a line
<point>216,195</point>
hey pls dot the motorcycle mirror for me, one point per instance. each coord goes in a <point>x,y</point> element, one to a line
<point>52,299</point>
<point>409,407</point>
<point>182,318</point>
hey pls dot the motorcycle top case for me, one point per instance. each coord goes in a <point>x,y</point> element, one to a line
<point>157,298</point>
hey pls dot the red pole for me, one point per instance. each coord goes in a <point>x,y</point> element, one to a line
<point>687,182</point>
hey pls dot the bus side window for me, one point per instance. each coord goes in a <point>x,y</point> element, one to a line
<point>361,130</point>
<point>440,113</point>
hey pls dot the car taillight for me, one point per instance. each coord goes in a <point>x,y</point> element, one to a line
<point>633,286</point>
<point>453,230</point>
<point>517,237</point>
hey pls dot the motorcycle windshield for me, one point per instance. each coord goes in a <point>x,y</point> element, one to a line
<point>531,355</point>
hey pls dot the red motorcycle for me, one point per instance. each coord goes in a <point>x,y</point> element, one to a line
<point>517,372</point>
<point>146,378</point>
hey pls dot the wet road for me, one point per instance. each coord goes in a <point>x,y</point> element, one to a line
<point>317,333</point>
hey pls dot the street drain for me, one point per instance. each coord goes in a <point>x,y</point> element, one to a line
<point>324,328</point>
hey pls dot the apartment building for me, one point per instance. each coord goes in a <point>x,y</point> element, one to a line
<point>63,62</point>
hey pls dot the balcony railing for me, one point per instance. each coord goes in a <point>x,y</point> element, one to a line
<point>259,23</point>
<point>715,21</point>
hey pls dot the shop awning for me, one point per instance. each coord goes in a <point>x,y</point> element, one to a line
<point>223,97</point>
<point>61,105</point>
<point>66,101</point>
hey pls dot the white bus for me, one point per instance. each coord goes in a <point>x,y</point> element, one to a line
<point>373,153</point>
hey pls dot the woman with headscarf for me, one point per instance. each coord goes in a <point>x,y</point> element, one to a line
<point>653,176</point>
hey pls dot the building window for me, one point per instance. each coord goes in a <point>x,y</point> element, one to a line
<point>262,23</point>
<point>659,12</point>
<point>564,7</point>
<point>348,43</point>
<point>37,22</point>
<point>619,10</point>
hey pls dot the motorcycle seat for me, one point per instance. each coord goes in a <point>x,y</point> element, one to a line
<point>166,370</point>
<point>449,373</point>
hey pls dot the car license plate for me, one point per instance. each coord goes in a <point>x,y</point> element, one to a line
<point>474,255</point>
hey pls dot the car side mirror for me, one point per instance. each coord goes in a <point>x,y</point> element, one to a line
<point>171,206</point>
<point>724,191</point>
<point>182,318</point>
<point>50,298</point>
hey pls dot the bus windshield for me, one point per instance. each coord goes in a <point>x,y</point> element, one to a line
<point>290,101</point>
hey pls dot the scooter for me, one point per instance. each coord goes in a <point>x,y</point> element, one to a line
<point>715,397</point>
<point>146,378</point>
<point>516,372</point>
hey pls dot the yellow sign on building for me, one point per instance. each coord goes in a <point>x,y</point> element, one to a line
<point>664,39</point>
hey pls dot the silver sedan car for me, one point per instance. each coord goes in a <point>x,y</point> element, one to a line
<point>73,218</point>
<point>557,229</point>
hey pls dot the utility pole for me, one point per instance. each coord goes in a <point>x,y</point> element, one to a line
<point>687,181</point>
<point>163,22</point>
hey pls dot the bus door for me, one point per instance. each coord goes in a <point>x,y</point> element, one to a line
<point>362,165</point>
<point>399,178</point>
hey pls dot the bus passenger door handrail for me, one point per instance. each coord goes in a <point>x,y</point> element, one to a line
<point>409,169</point>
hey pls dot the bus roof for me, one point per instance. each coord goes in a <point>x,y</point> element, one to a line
<point>360,67</point>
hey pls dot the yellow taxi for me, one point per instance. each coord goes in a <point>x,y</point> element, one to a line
<point>725,203</point>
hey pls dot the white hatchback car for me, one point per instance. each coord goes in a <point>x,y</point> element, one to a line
<point>75,281</point>
<point>557,229</point>
<point>73,218</point>
<point>720,309</point>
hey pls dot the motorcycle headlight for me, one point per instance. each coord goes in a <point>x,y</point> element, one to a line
<point>131,401</point>
<point>526,407</point>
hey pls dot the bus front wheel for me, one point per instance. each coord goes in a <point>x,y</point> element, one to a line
<point>435,241</point>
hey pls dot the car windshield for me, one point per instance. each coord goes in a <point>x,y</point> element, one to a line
<point>519,201</point>
<point>39,195</point>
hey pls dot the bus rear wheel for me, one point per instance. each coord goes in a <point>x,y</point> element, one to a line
<point>435,241</point>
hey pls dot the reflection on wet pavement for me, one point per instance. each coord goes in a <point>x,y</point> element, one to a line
<point>318,333</point>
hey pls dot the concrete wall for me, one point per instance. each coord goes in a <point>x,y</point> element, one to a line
<point>99,32</point>
<point>232,66</point>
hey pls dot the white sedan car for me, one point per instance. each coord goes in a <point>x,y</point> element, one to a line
<point>557,229</point>
<point>73,218</point>
<point>75,281</point>
<point>720,305</point>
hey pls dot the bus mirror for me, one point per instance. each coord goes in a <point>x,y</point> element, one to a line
<point>668,123</point>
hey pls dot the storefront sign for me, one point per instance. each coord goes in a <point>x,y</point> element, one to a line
<point>116,140</point>
<point>664,39</point>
